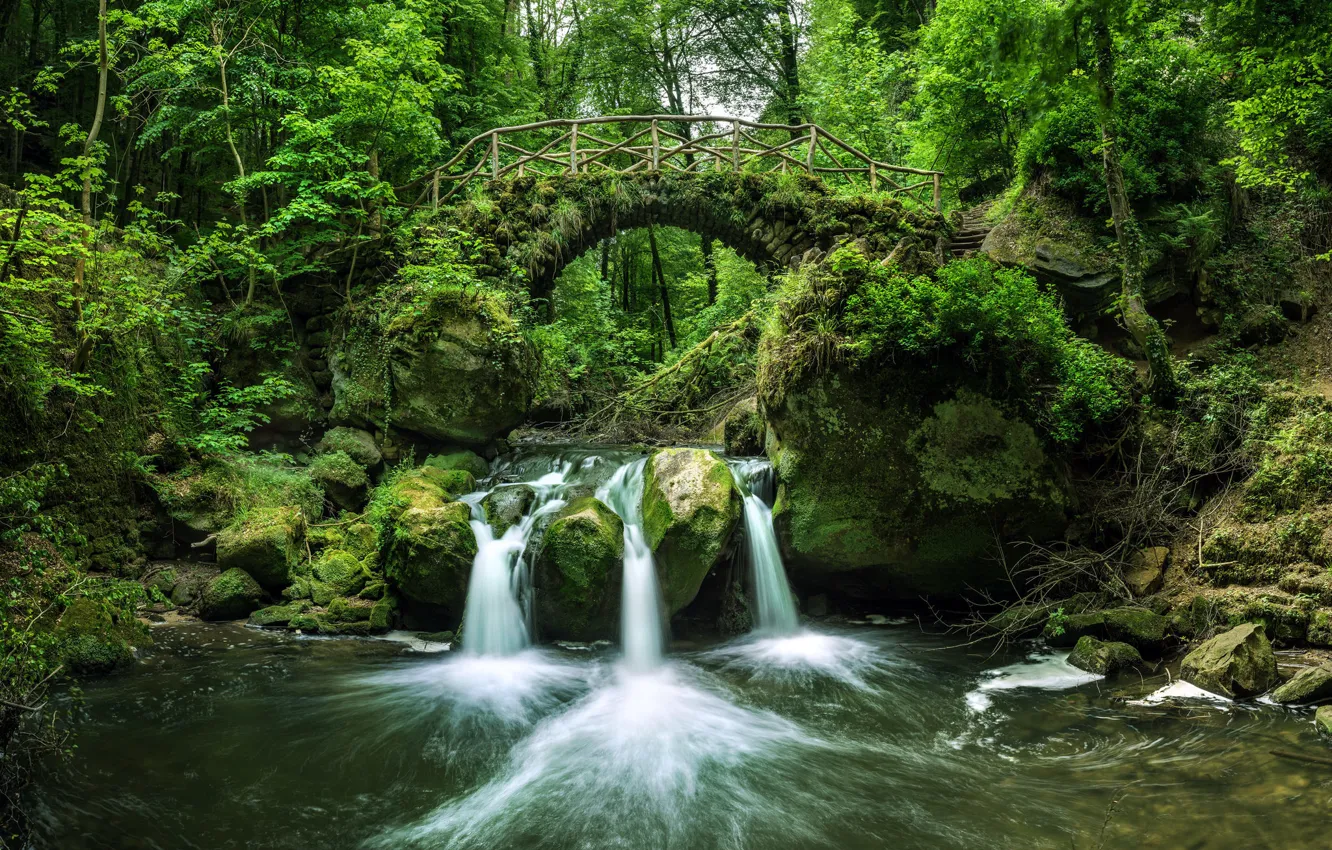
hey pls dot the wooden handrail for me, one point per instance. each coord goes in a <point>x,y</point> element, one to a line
<point>737,149</point>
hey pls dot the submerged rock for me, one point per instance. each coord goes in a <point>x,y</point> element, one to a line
<point>578,572</point>
<point>1237,663</point>
<point>433,546</point>
<point>690,508</point>
<point>266,544</point>
<point>1312,684</point>
<point>506,506</point>
<point>1102,657</point>
<point>230,596</point>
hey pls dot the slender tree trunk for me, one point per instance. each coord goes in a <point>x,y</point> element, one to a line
<point>790,63</point>
<point>1162,382</point>
<point>661,283</point>
<point>709,268</point>
<point>605,259</point>
<point>235,155</point>
<point>89,145</point>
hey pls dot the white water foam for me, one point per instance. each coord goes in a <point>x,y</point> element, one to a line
<point>1049,671</point>
<point>802,657</point>
<point>641,622</point>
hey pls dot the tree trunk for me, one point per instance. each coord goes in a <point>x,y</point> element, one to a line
<point>89,144</point>
<point>1161,380</point>
<point>790,59</point>
<point>709,268</point>
<point>661,282</point>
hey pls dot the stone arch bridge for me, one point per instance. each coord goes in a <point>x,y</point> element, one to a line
<point>536,197</point>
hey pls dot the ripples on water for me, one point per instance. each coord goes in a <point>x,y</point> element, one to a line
<point>227,737</point>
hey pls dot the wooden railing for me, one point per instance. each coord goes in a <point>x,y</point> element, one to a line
<point>629,144</point>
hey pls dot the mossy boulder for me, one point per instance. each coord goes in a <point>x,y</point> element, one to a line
<point>433,546</point>
<point>267,543</point>
<point>384,613</point>
<point>506,506</point>
<point>887,489</point>
<point>464,460</point>
<point>343,479</point>
<point>93,641</point>
<point>1070,628</point>
<point>278,616</point>
<point>1323,720</point>
<point>743,429</point>
<point>452,482</point>
<point>230,596</point>
<point>1237,663</point>
<point>1310,685</point>
<point>578,572</point>
<point>341,572</point>
<point>354,442</point>
<point>690,509</point>
<point>1102,657</point>
<point>1142,629</point>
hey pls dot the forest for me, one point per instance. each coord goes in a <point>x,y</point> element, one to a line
<point>632,335</point>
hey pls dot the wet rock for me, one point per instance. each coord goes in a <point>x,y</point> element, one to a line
<point>230,596</point>
<point>578,572</point>
<point>278,616</point>
<point>1310,685</point>
<point>267,544</point>
<point>1237,663</point>
<point>743,429</point>
<point>341,572</point>
<point>464,460</point>
<point>92,642</point>
<point>356,443</point>
<point>433,546</point>
<point>1102,657</point>
<point>1146,571</point>
<point>817,605</point>
<point>690,509</point>
<point>1069,629</point>
<point>1143,630</point>
<point>1323,720</point>
<point>343,479</point>
<point>506,506</point>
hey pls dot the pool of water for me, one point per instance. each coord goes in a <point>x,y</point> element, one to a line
<point>228,737</point>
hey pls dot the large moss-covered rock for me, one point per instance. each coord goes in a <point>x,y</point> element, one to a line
<point>1237,663</point>
<point>1323,720</point>
<point>458,372</point>
<point>743,429</point>
<point>433,546</point>
<point>267,543</point>
<point>278,616</point>
<point>1312,684</point>
<point>885,488</point>
<point>506,506</point>
<point>690,508</point>
<point>464,460</point>
<point>1142,629</point>
<point>1102,657</point>
<point>358,444</point>
<point>578,572</point>
<point>343,479</point>
<point>93,642</point>
<point>230,596</point>
<point>341,572</point>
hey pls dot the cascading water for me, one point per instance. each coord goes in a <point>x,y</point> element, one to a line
<point>640,597</point>
<point>776,607</point>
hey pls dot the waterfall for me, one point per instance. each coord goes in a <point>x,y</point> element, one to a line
<point>498,614</point>
<point>640,596</point>
<point>776,607</point>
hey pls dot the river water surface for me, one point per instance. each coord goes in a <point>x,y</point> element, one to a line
<point>229,737</point>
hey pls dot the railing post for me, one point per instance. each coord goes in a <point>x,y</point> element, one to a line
<point>573,150</point>
<point>813,141</point>
<point>434,191</point>
<point>494,156</point>
<point>874,177</point>
<point>735,145</point>
<point>938,193</point>
<point>656,148</point>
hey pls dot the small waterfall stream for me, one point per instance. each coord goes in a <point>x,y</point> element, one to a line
<point>640,596</point>
<point>776,613</point>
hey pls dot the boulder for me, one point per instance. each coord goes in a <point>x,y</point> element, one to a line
<point>343,479</point>
<point>884,493</point>
<point>1323,720</point>
<point>340,572</point>
<point>1102,657</point>
<point>464,460</point>
<point>277,616</point>
<point>1069,629</point>
<point>506,506</point>
<point>1146,570</point>
<point>433,546</point>
<point>452,482</point>
<point>690,508</point>
<point>1237,663</point>
<point>1310,685</point>
<point>578,572</point>
<point>743,429</point>
<point>230,596</point>
<point>267,543</point>
<point>93,642</point>
<point>1144,630</point>
<point>356,443</point>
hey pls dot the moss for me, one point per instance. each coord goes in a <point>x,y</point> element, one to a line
<point>1239,662</point>
<point>453,482</point>
<point>342,610</point>
<point>383,613</point>
<point>743,429</point>
<point>278,616</point>
<point>355,443</point>
<point>464,460</point>
<point>1102,657</point>
<point>577,572</point>
<point>221,492</point>
<point>432,548</point>
<point>304,623</point>
<point>690,509</point>
<point>1144,630</point>
<point>230,596</point>
<point>342,478</point>
<point>95,640</point>
<point>266,543</point>
<point>1320,628</point>
<point>340,572</point>
<point>506,506</point>
<point>1069,629</point>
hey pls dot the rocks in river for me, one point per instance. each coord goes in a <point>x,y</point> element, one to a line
<point>433,546</point>
<point>267,543</point>
<point>278,616</point>
<point>1310,685</point>
<point>230,596</point>
<point>1146,570</point>
<point>506,506</point>
<point>340,573</point>
<point>93,642</point>
<point>578,572</point>
<point>1323,720</point>
<point>358,444</point>
<point>1237,663</point>
<point>1143,630</point>
<point>465,460</point>
<point>1102,657</point>
<point>690,509</point>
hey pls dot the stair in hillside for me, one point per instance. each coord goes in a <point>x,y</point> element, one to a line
<point>971,235</point>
